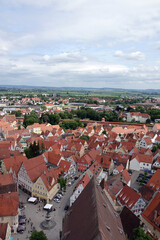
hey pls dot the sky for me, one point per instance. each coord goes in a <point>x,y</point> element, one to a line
<point>80,43</point>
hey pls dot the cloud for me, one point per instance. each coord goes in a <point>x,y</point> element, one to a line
<point>75,70</point>
<point>72,42</point>
<point>130,56</point>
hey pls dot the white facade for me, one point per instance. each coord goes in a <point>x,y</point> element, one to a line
<point>137,166</point>
<point>143,144</point>
<point>138,207</point>
<point>145,166</point>
<point>137,118</point>
<point>156,164</point>
<point>134,165</point>
<point>76,194</point>
<point>23,179</point>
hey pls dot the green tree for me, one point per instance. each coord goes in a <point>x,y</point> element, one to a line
<point>30,119</point>
<point>34,150</point>
<point>43,107</point>
<point>85,137</point>
<point>148,121</point>
<point>38,235</point>
<point>62,182</point>
<point>42,150</point>
<point>139,234</point>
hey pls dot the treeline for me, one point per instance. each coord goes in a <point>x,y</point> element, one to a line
<point>74,116</point>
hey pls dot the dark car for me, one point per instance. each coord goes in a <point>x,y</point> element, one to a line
<point>66,208</point>
<point>22,217</point>
<point>75,178</point>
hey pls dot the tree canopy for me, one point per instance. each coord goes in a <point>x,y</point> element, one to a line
<point>139,234</point>
<point>38,235</point>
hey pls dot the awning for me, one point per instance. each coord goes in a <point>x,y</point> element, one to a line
<point>32,199</point>
<point>48,206</point>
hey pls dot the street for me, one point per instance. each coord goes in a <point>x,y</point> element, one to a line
<point>32,212</point>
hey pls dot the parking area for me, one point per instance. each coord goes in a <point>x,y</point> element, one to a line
<point>35,214</point>
<point>139,179</point>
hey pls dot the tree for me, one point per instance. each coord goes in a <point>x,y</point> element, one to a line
<point>62,182</point>
<point>38,235</point>
<point>42,148</point>
<point>34,150</point>
<point>139,234</point>
<point>85,137</point>
<point>148,121</point>
<point>30,119</point>
<point>43,107</point>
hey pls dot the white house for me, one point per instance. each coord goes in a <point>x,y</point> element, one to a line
<point>80,186</point>
<point>137,116</point>
<point>141,162</point>
<point>156,164</point>
<point>145,143</point>
<point>30,171</point>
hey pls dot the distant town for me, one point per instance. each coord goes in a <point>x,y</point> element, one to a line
<point>79,164</point>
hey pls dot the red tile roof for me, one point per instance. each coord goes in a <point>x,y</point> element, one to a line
<point>9,203</point>
<point>126,175</point>
<point>35,167</point>
<point>64,166</point>
<point>154,182</point>
<point>152,212</point>
<point>14,163</point>
<point>143,158</point>
<point>6,179</point>
<point>105,161</point>
<point>84,181</point>
<point>128,197</point>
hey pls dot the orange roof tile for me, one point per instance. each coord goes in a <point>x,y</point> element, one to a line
<point>9,203</point>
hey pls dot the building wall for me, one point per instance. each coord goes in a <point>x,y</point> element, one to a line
<point>144,165</point>
<point>134,165</point>
<point>138,207</point>
<point>76,194</point>
<point>3,167</point>
<point>37,130</point>
<point>23,179</point>
<point>12,220</point>
<point>40,191</point>
<point>152,229</point>
<point>8,232</point>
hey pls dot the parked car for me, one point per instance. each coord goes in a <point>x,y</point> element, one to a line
<point>61,192</point>
<point>21,206</point>
<point>66,207</point>
<point>23,216</point>
<point>76,178</point>
<point>56,200</point>
<point>22,221</point>
<point>21,228</point>
<point>59,195</point>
